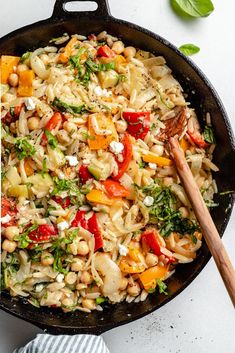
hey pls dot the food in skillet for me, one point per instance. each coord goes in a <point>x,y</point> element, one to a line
<point>92,208</point>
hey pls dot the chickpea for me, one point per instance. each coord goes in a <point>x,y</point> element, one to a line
<point>47,259</point>
<point>68,126</point>
<point>11,232</point>
<point>7,97</point>
<point>121,126</point>
<point>129,52</point>
<point>167,181</point>
<point>21,68</point>
<point>86,277</point>
<point>45,59</point>
<point>184,212</point>
<point>9,246</point>
<point>124,284</point>
<point>67,302</point>
<point>13,80</point>
<point>72,248</point>
<point>158,149</point>
<point>151,259</point>
<point>89,304</point>
<point>82,248</point>
<point>133,289</point>
<point>118,47</point>
<point>33,123</point>
<point>70,278</point>
<point>77,264</point>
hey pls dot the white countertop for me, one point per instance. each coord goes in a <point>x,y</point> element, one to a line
<point>201,319</point>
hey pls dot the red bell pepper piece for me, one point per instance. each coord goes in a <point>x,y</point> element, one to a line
<point>197,138</point>
<point>138,123</point>
<point>56,120</point>
<point>43,233</point>
<point>79,220</point>
<point>84,174</point>
<point>7,207</point>
<point>62,202</point>
<point>105,51</point>
<point>115,189</point>
<point>150,239</point>
<point>93,227</point>
<point>127,155</point>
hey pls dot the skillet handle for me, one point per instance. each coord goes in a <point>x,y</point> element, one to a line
<point>60,12</point>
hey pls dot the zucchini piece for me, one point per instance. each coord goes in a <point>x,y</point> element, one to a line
<point>13,176</point>
<point>108,79</point>
<point>56,158</point>
<point>99,173</point>
<point>41,184</point>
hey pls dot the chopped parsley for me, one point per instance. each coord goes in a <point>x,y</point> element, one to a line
<point>164,213</point>
<point>23,239</point>
<point>23,148</point>
<point>44,167</point>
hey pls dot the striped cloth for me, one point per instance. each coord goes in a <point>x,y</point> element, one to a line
<point>45,343</point>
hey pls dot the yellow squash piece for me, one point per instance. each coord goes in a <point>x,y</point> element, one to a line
<point>184,144</point>
<point>25,88</point>
<point>126,267</point>
<point>17,191</point>
<point>160,161</point>
<point>104,122</point>
<point>64,57</point>
<point>134,254</point>
<point>148,278</point>
<point>7,64</point>
<point>98,196</point>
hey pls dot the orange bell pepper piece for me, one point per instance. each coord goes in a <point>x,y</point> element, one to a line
<point>25,88</point>
<point>64,57</point>
<point>134,254</point>
<point>148,278</point>
<point>104,122</point>
<point>160,161</point>
<point>7,64</point>
<point>184,144</point>
<point>98,196</point>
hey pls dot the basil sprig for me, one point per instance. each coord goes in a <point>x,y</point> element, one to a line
<point>189,49</point>
<point>193,8</point>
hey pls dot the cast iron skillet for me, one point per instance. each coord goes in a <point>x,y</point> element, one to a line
<point>203,97</point>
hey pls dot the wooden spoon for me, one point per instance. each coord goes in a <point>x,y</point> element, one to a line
<point>208,228</point>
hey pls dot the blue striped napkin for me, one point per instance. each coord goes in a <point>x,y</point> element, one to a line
<point>45,343</point>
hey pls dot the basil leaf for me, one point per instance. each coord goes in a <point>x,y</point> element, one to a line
<point>52,140</point>
<point>23,148</point>
<point>208,134</point>
<point>189,49</point>
<point>193,8</point>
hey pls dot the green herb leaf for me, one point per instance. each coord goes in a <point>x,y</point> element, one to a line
<point>100,300</point>
<point>162,287</point>
<point>23,238</point>
<point>164,212</point>
<point>23,148</point>
<point>193,8</point>
<point>71,186</point>
<point>44,167</point>
<point>69,108</point>
<point>229,192</point>
<point>51,139</point>
<point>189,49</point>
<point>208,134</point>
<point>25,57</point>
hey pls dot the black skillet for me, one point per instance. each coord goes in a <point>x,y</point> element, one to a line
<point>204,99</point>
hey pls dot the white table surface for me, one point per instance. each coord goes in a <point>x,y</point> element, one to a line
<point>201,319</point>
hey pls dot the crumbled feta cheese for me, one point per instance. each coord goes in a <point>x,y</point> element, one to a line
<point>153,166</point>
<point>29,103</point>
<point>72,160</point>
<point>102,92</point>
<point>60,278</point>
<point>63,225</point>
<point>148,201</point>
<point>39,288</point>
<point>5,219</point>
<point>116,147</point>
<point>60,174</point>
<point>123,251</point>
